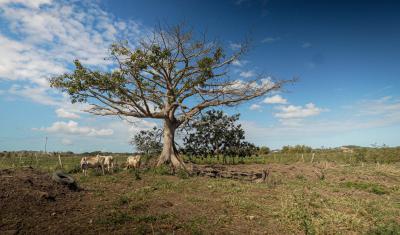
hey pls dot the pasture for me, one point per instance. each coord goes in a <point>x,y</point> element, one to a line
<point>330,193</point>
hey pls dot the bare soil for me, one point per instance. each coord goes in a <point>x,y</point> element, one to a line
<point>31,202</point>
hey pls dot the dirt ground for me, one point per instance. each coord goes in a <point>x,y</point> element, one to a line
<point>323,198</point>
<point>32,203</point>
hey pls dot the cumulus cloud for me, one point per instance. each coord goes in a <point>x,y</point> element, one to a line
<point>247,74</point>
<point>291,111</point>
<point>62,113</point>
<point>73,128</point>
<point>276,99</point>
<point>255,107</point>
<point>265,83</point>
<point>41,38</point>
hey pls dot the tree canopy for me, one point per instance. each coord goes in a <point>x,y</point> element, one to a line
<point>148,142</point>
<point>217,134</point>
<point>171,75</point>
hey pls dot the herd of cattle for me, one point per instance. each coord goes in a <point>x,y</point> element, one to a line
<point>107,162</point>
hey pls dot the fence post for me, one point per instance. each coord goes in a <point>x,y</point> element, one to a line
<point>37,163</point>
<point>312,158</point>
<point>59,161</point>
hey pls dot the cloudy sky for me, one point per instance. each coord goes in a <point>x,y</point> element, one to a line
<point>346,55</point>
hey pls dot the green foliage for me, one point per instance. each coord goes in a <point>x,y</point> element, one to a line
<point>369,187</point>
<point>296,149</point>
<point>149,141</point>
<point>216,133</point>
<point>264,150</point>
<point>182,174</point>
<point>388,228</point>
<point>160,170</point>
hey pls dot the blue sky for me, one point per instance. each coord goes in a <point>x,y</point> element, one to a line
<point>345,53</point>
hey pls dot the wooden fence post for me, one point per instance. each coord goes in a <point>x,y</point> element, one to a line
<point>59,161</point>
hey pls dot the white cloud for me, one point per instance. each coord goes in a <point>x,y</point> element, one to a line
<point>265,83</point>
<point>73,128</point>
<point>235,46</point>
<point>291,122</point>
<point>255,107</point>
<point>29,3</point>
<point>62,113</point>
<point>66,141</point>
<point>276,99</point>
<point>239,63</point>
<point>383,106</point>
<point>247,74</point>
<point>291,111</point>
<point>270,39</point>
<point>49,38</point>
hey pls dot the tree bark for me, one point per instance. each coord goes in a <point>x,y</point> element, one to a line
<point>169,154</point>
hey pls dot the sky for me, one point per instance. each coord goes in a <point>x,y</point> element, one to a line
<point>345,54</point>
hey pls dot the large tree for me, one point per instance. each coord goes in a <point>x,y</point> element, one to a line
<point>171,75</point>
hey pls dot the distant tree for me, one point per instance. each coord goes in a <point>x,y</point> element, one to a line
<point>171,75</point>
<point>217,134</point>
<point>296,149</point>
<point>263,150</point>
<point>148,141</point>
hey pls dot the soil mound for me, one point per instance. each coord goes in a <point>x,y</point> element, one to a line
<point>28,196</point>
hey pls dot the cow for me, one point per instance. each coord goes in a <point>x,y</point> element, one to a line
<point>109,163</point>
<point>133,162</point>
<point>92,162</point>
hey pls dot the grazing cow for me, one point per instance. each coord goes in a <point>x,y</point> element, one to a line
<point>92,162</point>
<point>133,162</point>
<point>109,163</point>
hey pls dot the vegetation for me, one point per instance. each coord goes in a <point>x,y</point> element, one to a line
<point>354,197</point>
<point>217,134</point>
<point>296,149</point>
<point>171,76</point>
<point>148,142</point>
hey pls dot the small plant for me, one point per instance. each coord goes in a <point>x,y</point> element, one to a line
<point>182,174</point>
<point>75,169</point>
<point>136,173</point>
<point>123,200</point>
<point>161,170</point>
<point>391,228</point>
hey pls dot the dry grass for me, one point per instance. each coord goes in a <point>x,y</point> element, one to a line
<point>296,199</point>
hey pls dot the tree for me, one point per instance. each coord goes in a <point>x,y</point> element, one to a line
<point>148,142</point>
<point>216,133</point>
<point>296,149</point>
<point>170,76</point>
<point>264,150</point>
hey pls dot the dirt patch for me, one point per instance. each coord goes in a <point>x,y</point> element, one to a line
<point>29,197</point>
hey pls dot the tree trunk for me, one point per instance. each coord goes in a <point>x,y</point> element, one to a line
<point>169,154</point>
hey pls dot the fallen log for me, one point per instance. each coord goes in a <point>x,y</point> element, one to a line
<point>222,172</point>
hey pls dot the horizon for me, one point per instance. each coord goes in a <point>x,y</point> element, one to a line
<point>345,54</point>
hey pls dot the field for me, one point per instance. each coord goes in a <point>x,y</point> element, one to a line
<point>332,193</point>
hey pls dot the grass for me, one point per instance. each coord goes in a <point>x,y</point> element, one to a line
<point>350,198</point>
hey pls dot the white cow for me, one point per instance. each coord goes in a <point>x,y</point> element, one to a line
<point>133,162</point>
<point>92,162</point>
<point>109,163</point>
